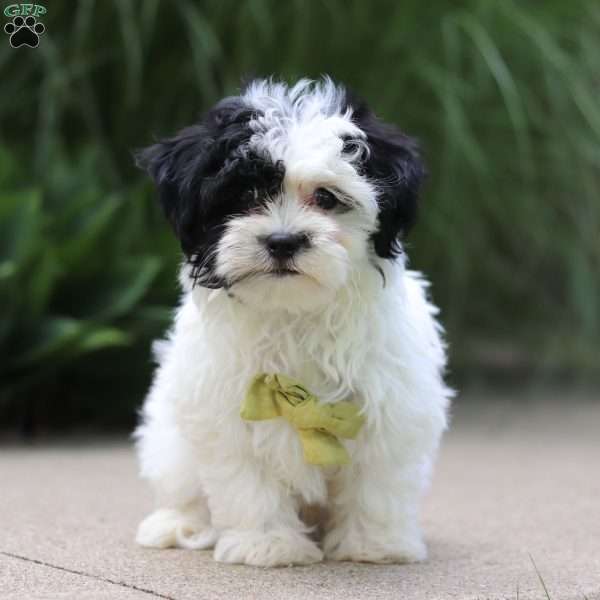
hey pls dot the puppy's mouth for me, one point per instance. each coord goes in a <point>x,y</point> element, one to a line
<point>275,272</point>
<point>283,272</point>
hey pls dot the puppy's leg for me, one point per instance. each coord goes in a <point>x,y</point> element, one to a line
<point>256,516</point>
<point>375,501</point>
<point>182,519</point>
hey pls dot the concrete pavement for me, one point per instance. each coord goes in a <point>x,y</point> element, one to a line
<point>518,481</point>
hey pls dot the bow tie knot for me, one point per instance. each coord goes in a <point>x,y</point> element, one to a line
<point>318,425</point>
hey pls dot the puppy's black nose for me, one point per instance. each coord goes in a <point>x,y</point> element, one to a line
<point>285,245</point>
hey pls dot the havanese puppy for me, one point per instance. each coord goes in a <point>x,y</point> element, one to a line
<point>305,365</point>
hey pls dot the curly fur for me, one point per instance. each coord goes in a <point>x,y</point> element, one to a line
<point>344,316</point>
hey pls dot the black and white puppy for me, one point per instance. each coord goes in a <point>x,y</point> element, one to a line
<point>291,204</point>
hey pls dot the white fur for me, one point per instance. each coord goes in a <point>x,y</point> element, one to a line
<point>351,326</point>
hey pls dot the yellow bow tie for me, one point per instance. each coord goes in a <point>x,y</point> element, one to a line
<point>318,425</point>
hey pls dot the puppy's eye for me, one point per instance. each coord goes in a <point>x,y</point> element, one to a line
<point>325,199</point>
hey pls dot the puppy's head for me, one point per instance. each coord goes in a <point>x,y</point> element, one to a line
<point>279,192</point>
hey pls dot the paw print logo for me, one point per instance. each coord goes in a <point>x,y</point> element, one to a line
<point>24,32</point>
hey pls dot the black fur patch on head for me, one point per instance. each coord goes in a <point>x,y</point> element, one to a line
<point>396,169</point>
<point>205,175</point>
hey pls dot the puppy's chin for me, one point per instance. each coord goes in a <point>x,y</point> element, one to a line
<point>251,276</point>
<point>291,293</point>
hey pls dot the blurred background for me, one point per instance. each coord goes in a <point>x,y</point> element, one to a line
<point>504,96</point>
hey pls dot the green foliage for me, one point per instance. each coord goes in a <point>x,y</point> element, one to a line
<point>503,95</point>
<point>76,275</point>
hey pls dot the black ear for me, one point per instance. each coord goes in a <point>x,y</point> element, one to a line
<point>187,170</point>
<point>174,164</point>
<point>201,175</point>
<point>395,167</point>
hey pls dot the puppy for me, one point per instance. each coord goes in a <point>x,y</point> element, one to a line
<point>291,204</point>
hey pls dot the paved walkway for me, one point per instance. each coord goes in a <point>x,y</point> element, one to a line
<point>517,485</point>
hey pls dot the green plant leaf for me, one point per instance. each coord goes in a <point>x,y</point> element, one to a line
<point>125,288</point>
<point>20,226</point>
<point>63,338</point>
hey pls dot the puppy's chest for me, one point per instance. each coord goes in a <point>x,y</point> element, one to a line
<point>320,368</point>
<point>318,365</point>
<point>275,441</point>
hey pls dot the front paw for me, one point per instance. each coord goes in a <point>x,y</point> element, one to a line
<point>340,544</point>
<point>168,528</point>
<point>275,548</point>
